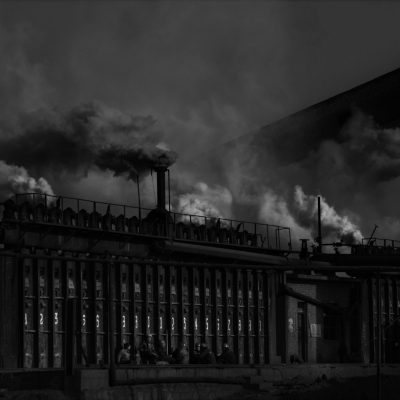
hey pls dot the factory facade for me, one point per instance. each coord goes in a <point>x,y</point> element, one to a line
<point>89,281</point>
<point>80,279</point>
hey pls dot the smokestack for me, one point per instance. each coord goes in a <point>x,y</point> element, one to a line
<point>319,226</point>
<point>160,170</point>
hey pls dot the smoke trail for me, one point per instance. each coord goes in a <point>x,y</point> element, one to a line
<point>300,215</point>
<point>356,167</point>
<point>14,179</point>
<point>133,161</point>
<point>275,210</point>
<point>335,226</point>
<point>362,153</point>
<point>214,202</point>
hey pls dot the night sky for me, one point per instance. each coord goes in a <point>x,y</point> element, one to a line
<point>202,73</point>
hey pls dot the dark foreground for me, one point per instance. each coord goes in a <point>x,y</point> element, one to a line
<point>350,389</point>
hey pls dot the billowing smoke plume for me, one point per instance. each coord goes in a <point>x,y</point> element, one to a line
<point>89,136</point>
<point>230,89</point>
<point>358,171</point>
<point>335,226</point>
<point>356,168</point>
<point>275,210</point>
<point>361,154</point>
<point>246,180</point>
<point>133,161</point>
<point>372,152</point>
<point>300,214</point>
<point>14,179</point>
<point>205,200</point>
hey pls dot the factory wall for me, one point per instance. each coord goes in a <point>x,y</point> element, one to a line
<point>318,334</point>
<point>73,310</point>
<point>10,323</point>
<point>390,317</point>
<point>76,309</point>
<point>72,294</point>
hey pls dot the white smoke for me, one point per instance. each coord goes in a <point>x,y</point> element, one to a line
<point>301,217</point>
<point>14,179</point>
<point>204,200</point>
<point>274,210</point>
<point>335,226</point>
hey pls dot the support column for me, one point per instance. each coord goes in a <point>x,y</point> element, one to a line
<point>364,320</point>
<point>11,344</point>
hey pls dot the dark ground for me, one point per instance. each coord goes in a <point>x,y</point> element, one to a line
<point>350,389</point>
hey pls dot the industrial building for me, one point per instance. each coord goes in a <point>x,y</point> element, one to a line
<point>92,276</point>
<point>91,280</point>
<point>79,278</point>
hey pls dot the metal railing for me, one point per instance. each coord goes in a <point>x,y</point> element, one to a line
<point>133,219</point>
<point>380,242</point>
<point>376,246</point>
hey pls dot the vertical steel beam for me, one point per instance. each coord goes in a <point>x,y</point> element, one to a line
<point>378,347</point>
<point>21,308</point>
<point>214,303</point>
<point>192,308</point>
<point>111,319</point>
<point>50,310</point>
<point>319,226</point>
<point>181,306</point>
<point>36,324</point>
<point>79,294</point>
<point>70,336</point>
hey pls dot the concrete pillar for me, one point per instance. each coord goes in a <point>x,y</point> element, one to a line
<point>281,321</point>
<point>364,322</point>
<point>276,320</point>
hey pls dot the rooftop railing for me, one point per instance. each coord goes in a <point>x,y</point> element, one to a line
<point>91,214</point>
<point>376,246</point>
<point>380,242</point>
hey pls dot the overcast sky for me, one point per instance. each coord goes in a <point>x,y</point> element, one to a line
<point>206,71</point>
<point>231,66</point>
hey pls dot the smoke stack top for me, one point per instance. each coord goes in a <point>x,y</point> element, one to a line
<point>135,161</point>
<point>161,196</point>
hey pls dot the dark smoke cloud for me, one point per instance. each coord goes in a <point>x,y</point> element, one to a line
<point>356,170</point>
<point>372,152</point>
<point>362,154</point>
<point>174,60</point>
<point>209,73</point>
<point>89,135</point>
<point>133,162</point>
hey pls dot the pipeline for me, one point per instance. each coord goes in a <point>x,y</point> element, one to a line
<point>292,266</point>
<point>195,379</point>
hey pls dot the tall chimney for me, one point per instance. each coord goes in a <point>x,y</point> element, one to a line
<point>161,187</point>
<point>319,226</point>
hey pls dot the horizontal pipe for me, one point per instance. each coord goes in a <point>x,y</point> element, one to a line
<point>316,302</point>
<point>226,253</point>
<point>278,268</point>
<point>113,232</point>
<point>194,379</point>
